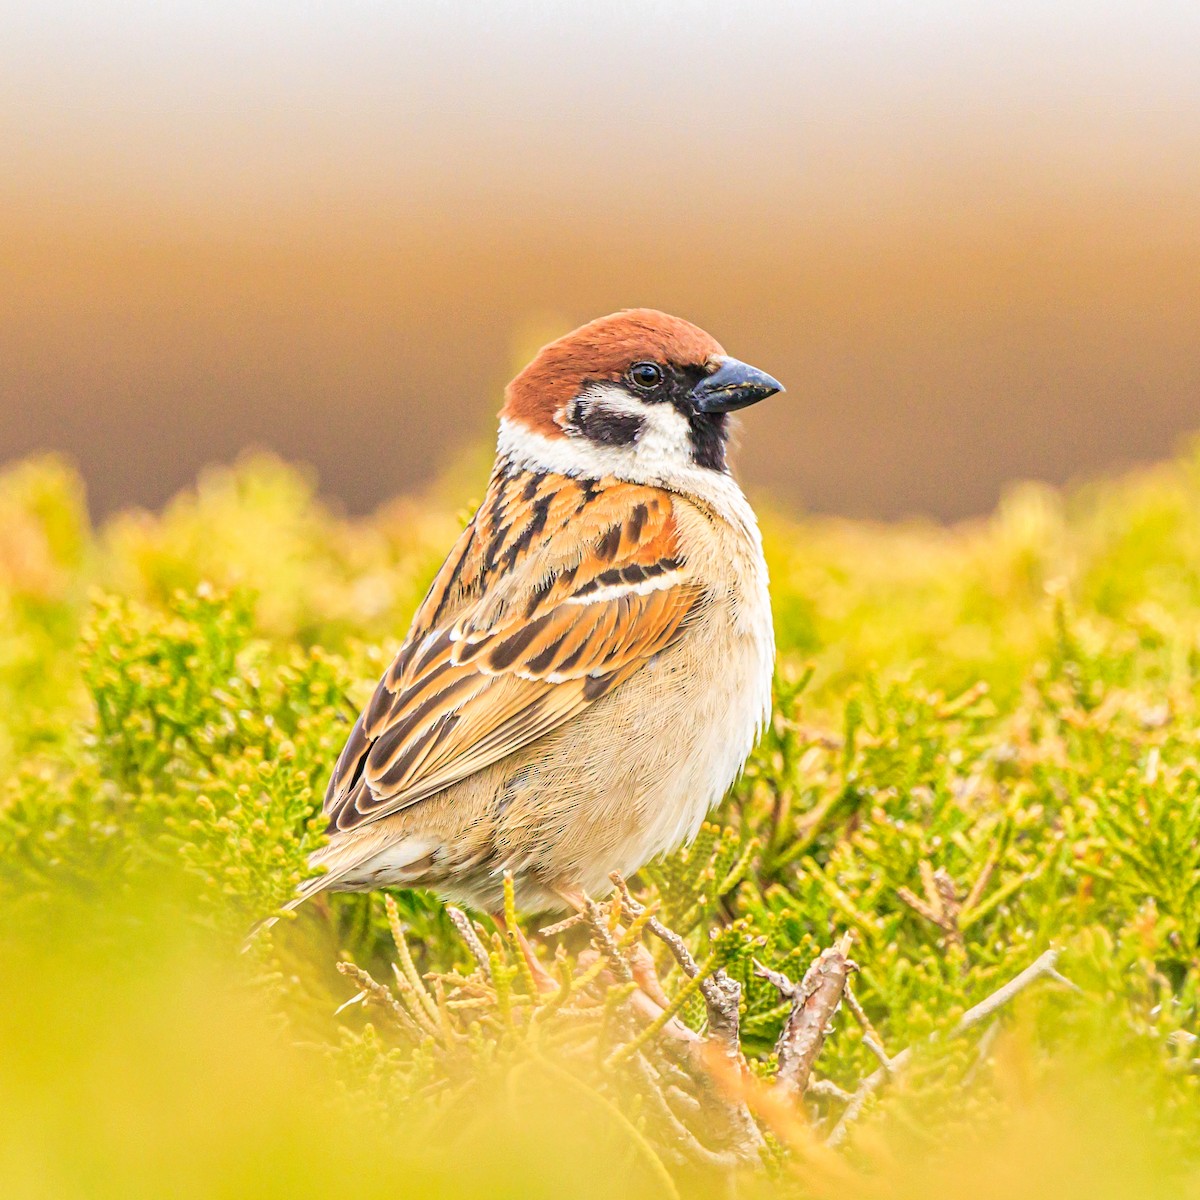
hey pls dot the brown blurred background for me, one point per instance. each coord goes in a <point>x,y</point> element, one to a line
<point>967,237</point>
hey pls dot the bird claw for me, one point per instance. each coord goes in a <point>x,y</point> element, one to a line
<point>645,975</point>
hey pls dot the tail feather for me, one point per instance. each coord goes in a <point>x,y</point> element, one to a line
<point>311,887</point>
<point>345,857</point>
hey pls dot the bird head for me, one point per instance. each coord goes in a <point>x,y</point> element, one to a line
<point>639,394</point>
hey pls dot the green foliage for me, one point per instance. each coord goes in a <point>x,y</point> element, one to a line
<point>985,743</point>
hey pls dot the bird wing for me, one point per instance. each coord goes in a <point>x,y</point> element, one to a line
<point>558,591</point>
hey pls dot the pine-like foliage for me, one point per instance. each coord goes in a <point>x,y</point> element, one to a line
<point>984,756</point>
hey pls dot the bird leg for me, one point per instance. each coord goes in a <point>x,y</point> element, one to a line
<point>541,977</point>
<point>650,999</point>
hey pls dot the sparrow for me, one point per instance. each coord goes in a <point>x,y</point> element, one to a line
<point>592,664</point>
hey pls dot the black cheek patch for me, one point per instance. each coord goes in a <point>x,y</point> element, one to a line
<point>608,428</point>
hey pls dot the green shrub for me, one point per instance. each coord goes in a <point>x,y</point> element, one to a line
<point>984,745</point>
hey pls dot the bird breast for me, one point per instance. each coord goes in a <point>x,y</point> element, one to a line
<point>630,777</point>
<point>634,776</point>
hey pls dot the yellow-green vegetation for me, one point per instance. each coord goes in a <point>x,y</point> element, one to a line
<point>985,747</point>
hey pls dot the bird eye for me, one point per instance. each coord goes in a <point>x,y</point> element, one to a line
<point>646,375</point>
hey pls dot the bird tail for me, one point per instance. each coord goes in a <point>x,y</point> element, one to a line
<point>313,886</point>
<point>346,857</point>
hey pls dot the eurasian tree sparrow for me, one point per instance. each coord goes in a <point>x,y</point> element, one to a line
<point>592,664</point>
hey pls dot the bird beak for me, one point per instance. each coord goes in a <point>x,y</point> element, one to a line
<point>733,385</point>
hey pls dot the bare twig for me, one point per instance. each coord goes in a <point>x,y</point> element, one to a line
<point>467,932</point>
<point>880,1053</point>
<point>680,1099</point>
<point>921,907</point>
<point>719,1064</point>
<point>722,994</point>
<point>826,1089</point>
<point>563,925</point>
<point>814,1001</point>
<point>375,993</point>
<point>605,942</point>
<point>672,940</point>
<point>632,965</point>
<point>687,1148</point>
<point>947,894</point>
<point>860,1015</point>
<point>662,1019</point>
<point>981,881</point>
<point>982,1051</point>
<point>940,905</point>
<point>1043,967</point>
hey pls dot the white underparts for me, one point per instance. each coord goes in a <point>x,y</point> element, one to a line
<point>396,865</point>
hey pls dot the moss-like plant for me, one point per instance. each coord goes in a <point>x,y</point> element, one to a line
<point>955,894</point>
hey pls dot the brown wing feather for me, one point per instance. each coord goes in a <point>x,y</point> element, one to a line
<point>557,591</point>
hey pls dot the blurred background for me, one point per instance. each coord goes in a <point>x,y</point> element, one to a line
<point>967,237</point>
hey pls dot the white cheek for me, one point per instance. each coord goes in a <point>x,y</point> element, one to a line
<point>665,437</point>
<point>664,441</point>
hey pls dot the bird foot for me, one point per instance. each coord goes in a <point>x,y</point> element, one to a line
<point>645,975</point>
<point>650,999</point>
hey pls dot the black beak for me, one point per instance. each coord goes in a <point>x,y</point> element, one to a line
<point>733,385</point>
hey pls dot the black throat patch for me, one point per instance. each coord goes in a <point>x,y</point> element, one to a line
<point>709,432</point>
<point>710,436</point>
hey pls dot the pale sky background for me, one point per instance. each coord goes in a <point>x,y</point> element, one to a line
<point>964,234</point>
<point>265,96</point>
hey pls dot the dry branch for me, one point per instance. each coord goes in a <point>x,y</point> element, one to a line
<point>1043,967</point>
<point>871,1038</point>
<point>466,931</point>
<point>687,1147</point>
<point>698,1088</point>
<point>722,995</point>
<point>814,1001</point>
<point>941,906</point>
<point>828,1090</point>
<point>374,992</point>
